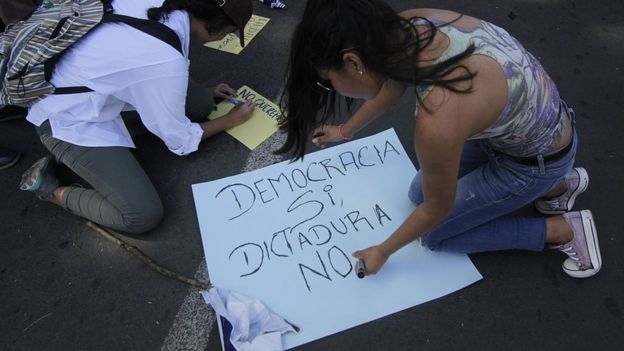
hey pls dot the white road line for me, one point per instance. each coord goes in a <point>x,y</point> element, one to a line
<point>193,322</point>
<point>195,319</point>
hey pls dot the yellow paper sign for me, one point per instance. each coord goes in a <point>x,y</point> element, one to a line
<point>231,43</point>
<point>260,126</point>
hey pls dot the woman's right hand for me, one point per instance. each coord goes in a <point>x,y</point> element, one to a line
<point>326,134</point>
<point>240,114</point>
<point>374,258</point>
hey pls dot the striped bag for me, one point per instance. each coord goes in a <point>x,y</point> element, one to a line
<point>30,48</point>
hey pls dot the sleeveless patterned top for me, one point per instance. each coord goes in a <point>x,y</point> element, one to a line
<point>530,123</point>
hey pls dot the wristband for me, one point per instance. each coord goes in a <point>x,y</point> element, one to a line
<point>344,137</point>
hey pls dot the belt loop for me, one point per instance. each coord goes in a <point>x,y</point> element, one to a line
<point>572,115</point>
<point>569,111</point>
<point>540,162</point>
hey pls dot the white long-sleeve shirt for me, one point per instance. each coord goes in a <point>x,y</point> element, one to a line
<point>126,69</point>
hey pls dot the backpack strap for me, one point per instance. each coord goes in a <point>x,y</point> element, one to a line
<point>71,90</point>
<point>153,28</point>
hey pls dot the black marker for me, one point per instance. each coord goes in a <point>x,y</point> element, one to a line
<point>360,268</point>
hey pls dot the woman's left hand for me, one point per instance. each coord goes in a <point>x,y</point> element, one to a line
<point>326,134</point>
<point>374,258</point>
<point>223,91</point>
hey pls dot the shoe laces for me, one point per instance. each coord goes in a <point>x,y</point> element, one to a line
<point>554,203</point>
<point>572,254</point>
<point>274,3</point>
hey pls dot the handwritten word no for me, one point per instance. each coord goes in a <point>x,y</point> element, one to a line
<point>261,104</point>
<point>289,241</point>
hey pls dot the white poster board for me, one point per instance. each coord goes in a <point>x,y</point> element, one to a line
<point>284,234</point>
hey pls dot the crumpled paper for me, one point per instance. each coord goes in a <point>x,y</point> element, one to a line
<point>254,326</point>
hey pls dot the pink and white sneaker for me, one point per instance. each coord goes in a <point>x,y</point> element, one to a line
<point>583,250</point>
<point>576,180</point>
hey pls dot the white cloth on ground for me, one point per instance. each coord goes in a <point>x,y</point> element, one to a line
<point>254,326</point>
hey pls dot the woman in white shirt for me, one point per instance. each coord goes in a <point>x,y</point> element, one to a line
<point>140,72</point>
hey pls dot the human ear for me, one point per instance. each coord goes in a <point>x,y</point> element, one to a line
<point>353,62</point>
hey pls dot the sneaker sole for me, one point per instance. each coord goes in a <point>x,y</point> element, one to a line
<point>593,248</point>
<point>34,172</point>
<point>583,184</point>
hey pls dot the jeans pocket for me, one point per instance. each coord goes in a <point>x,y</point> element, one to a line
<point>514,178</point>
<point>522,184</point>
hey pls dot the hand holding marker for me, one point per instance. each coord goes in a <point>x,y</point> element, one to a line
<point>231,101</point>
<point>235,102</point>
<point>360,268</point>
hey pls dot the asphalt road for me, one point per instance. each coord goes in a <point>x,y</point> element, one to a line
<point>63,287</point>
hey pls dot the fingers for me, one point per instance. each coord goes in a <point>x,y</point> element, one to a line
<point>239,114</point>
<point>245,108</point>
<point>318,137</point>
<point>229,91</point>
<point>319,142</point>
<point>324,135</point>
<point>357,254</point>
<point>248,105</point>
<point>224,91</point>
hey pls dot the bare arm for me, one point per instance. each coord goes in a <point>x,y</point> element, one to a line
<point>439,140</point>
<point>439,153</point>
<point>369,111</point>
<point>238,115</point>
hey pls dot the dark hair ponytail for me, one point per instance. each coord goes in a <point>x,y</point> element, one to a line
<point>387,43</point>
<point>206,10</point>
<point>162,12</point>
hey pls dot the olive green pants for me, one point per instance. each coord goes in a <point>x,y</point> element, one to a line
<point>122,196</point>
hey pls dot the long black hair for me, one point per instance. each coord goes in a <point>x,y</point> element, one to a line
<point>206,10</point>
<point>387,44</point>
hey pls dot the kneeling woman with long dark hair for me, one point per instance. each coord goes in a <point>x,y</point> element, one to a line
<point>491,132</point>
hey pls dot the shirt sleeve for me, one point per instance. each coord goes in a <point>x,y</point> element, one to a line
<point>160,101</point>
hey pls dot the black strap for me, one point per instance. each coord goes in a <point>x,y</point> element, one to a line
<point>153,28</point>
<point>534,161</point>
<point>71,90</point>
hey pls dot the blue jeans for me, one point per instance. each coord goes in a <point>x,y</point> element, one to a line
<point>490,187</point>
